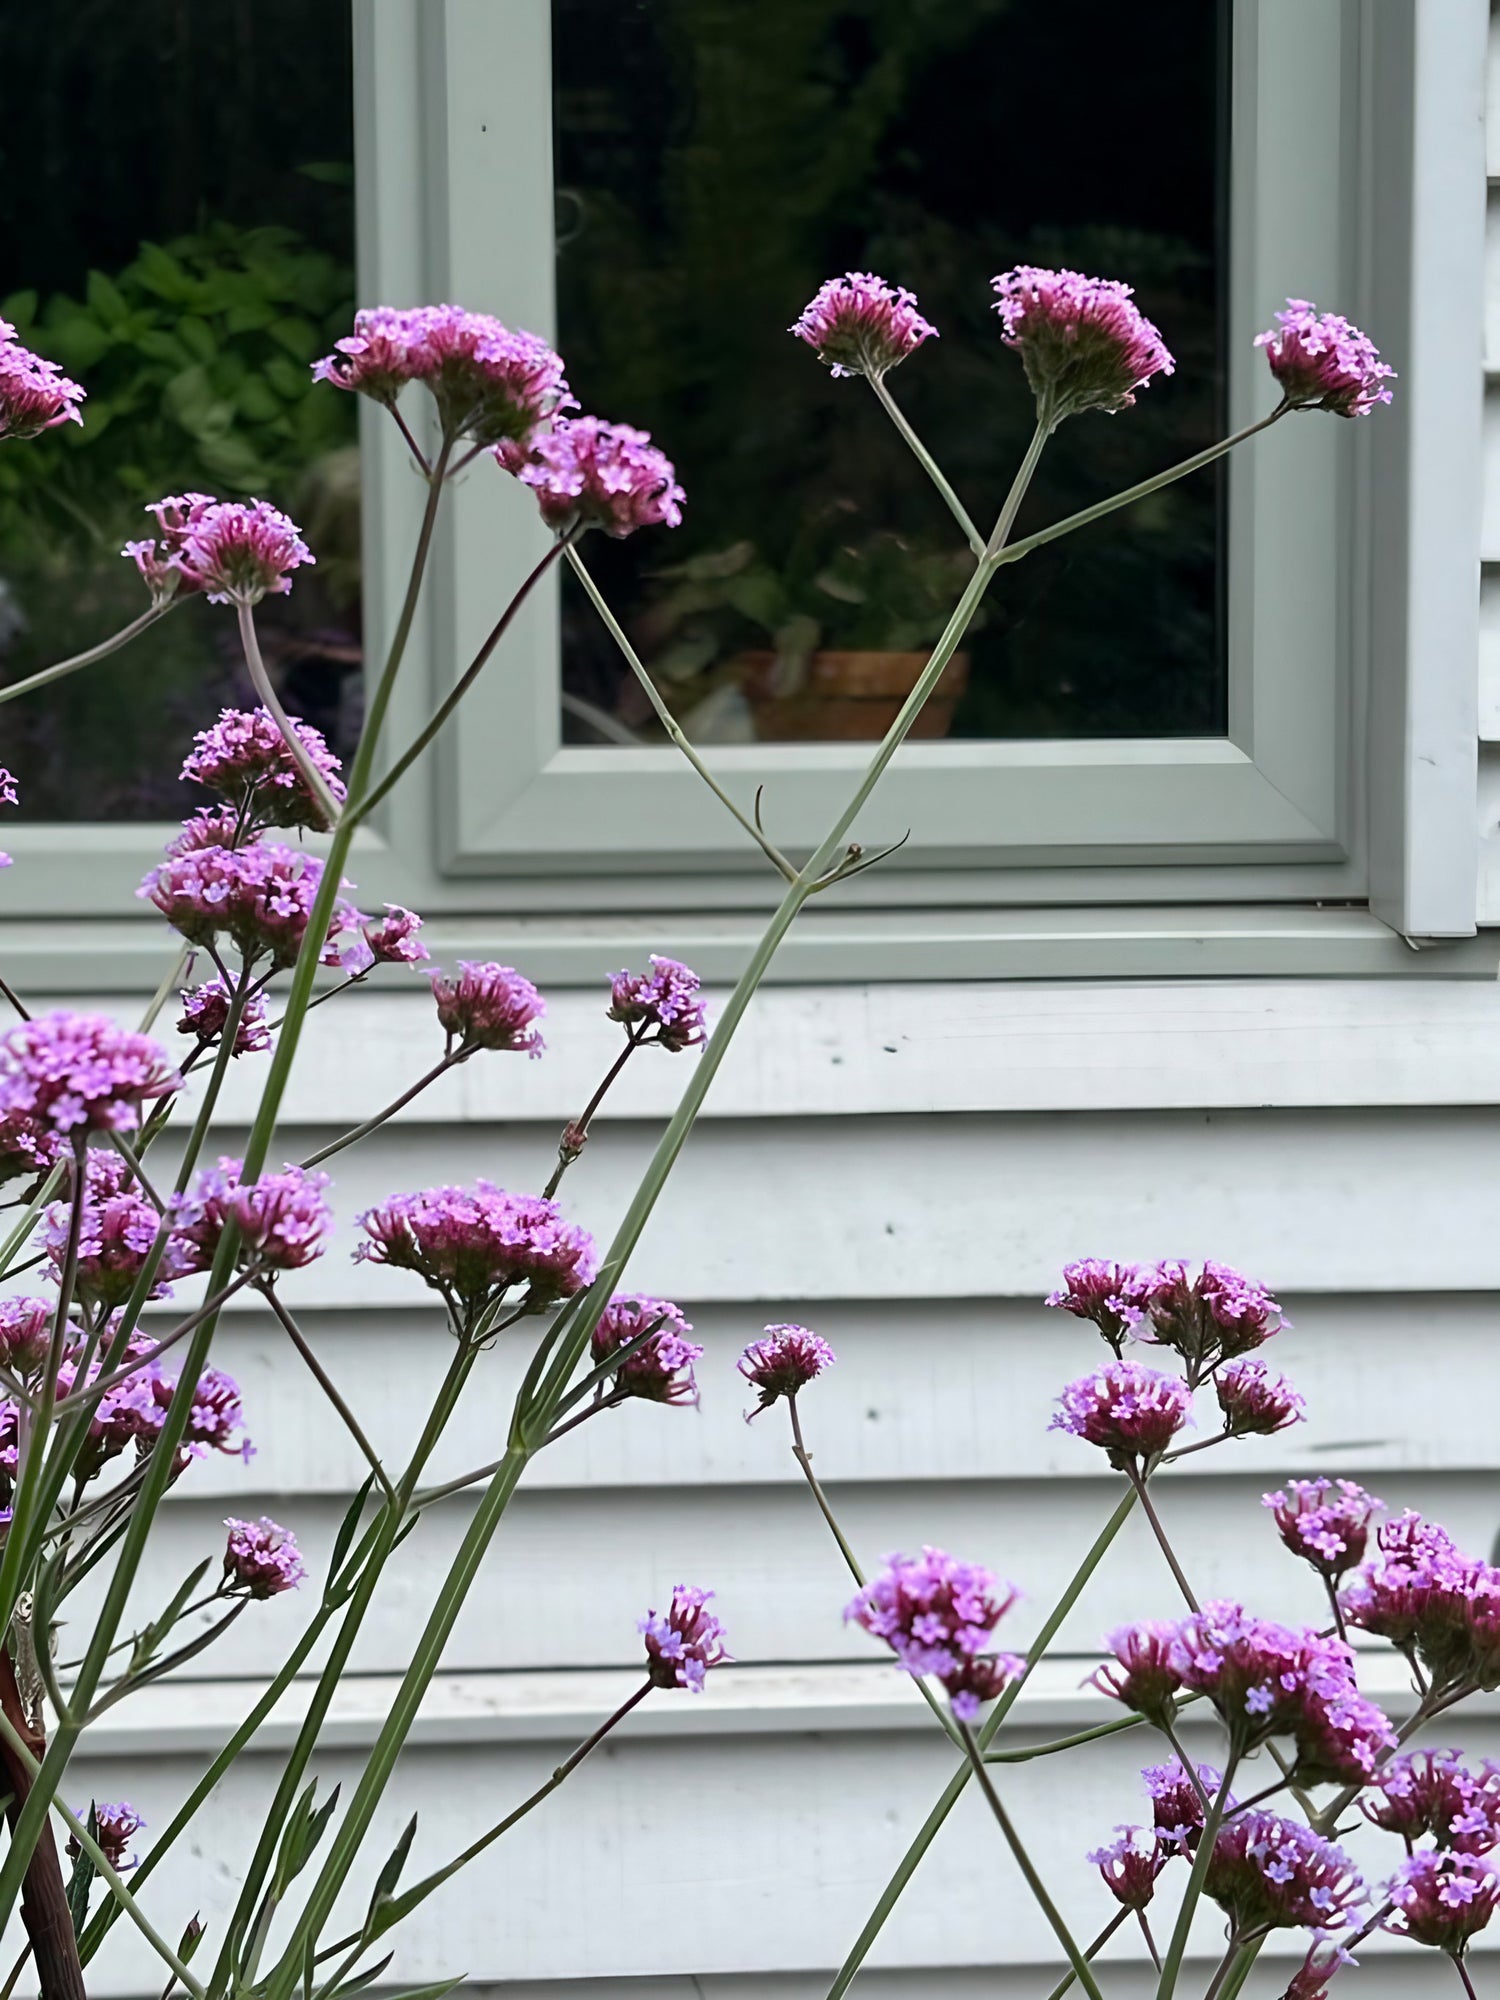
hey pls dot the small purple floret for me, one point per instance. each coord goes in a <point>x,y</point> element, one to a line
<point>938,1616</point>
<point>684,1641</point>
<point>261,1559</point>
<point>1083,341</point>
<point>589,474</point>
<point>1130,1412</point>
<point>1321,362</point>
<point>860,325</point>
<point>663,1007</point>
<point>489,1006</point>
<point>784,1360</point>
<point>661,1369</point>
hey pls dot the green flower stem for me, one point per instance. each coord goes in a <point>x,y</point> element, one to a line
<point>1148,1508</point>
<point>100,652</point>
<point>383,1540</point>
<point>932,1825</point>
<point>1463,1973</point>
<point>8,993</point>
<point>669,721</point>
<point>30,1215</point>
<point>1064,1742</point>
<point>330,1389</point>
<point>928,464</point>
<point>1069,1978</point>
<point>1203,1854</point>
<point>1098,511</point>
<point>439,1068</point>
<point>1235,1970</point>
<point>576,1134</point>
<point>102,1866</point>
<point>312,777</point>
<point>1027,1866</point>
<point>460,688</point>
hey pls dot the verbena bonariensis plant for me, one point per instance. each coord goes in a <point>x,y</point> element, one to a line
<point>101,1417</point>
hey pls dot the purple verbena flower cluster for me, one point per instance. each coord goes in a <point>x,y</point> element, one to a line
<point>35,395</point>
<point>683,1641</point>
<point>1433,1792</point>
<point>1207,1319</point>
<point>1130,1865</point>
<point>27,1145</point>
<point>1130,1412</point>
<point>1177,1803</point>
<point>938,1616</point>
<point>473,1245</point>
<point>1442,1898</point>
<point>260,896</point>
<point>1106,1294</point>
<point>783,1361</point>
<point>205,1015</point>
<point>261,1560</point>
<point>860,325</point>
<point>665,1005</point>
<point>586,473</point>
<point>661,1369</point>
<point>490,384</point>
<point>1254,1402</point>
<point>393,939</point>
<point>118,1228</point>
<point>1084,343</point>
<point>115,1826</point>
<point>1268,1873</point>
<point>25,1333</point>
<point>233,551</point>
<point>1323,363</point>
<point>283,1219</point>
<point>1432,1602</point>
<point>72,1073</point>
<point>1326,1522</point>
<point>244,757</point>
<point>489,1006</point>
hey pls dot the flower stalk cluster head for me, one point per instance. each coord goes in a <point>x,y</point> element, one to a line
<point>1311,1980</point>
<point>661,1369</point>
<point>205,1015</point>
<point>117,1232</point>
<point>1254,1402</point>
<point>938,1616</point>
<point>1434,1793</point>
<point>25,1333</point>
<point>244,758</point>
<point>1130,1866</point>
<point>1177,1803</point>
<point>662,1007</point>
<point>1130,1412</point>
<point>283,1219</point>
<point>114,1827</point>
<point>473,1245</point>
<point>1442,1898</point>
<point>860,325</point>
<point>1145,1674</point>
<point>35,395</point>
<point>260,896</point>
<point>69,1073</point>
<point>1268,1873</point>
<point>260,1559</point>
<point>489,1006</point>
<point>233,551</point>
<point>683,1641</point>
<point>1321,362</point>
<point>491,385</point>
<point>156,557</point>
<point>1325,1521</point>
<point>1084,343</point>
<point>393,939</point>
<point>1431,1601</point>
<point>586,473</point>
<point>134,1409</point>
<point>1105,1294</point>
<point>1208,1319</point>
<point>27,1145</point>
<point>783,1361</point>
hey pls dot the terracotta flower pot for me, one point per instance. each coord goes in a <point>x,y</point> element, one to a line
<point>848,697</point>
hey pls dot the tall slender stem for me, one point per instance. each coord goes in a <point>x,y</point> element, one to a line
<point>13,999</point>
<point>1202,1856</point>
<point>576,1134</point>
<point>100,652</point>
<point>1148,1507</point>
<point>312,777</point>
<point>1463,1972</point>
<point>1241,1969</point>
<point>460,687</point>
<point>928,464</point>
<point>1076,1958</point>
<point>453,1057</point>
<point>804,1458</point>
<point>669,721</point>
<point>330,1389</point>
<point>1070,1978</point>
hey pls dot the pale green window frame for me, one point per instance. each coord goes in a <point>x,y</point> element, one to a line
<point>1347,775</point>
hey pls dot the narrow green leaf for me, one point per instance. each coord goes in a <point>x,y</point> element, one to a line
<point>395,1861</point>
<point>81,1881</point>
<point>361,1979</point>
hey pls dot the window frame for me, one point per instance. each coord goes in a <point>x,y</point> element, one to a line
<point>1348,774</point>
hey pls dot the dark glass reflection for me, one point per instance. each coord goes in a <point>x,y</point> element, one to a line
<point>180,237</point>
<point>715,162</point>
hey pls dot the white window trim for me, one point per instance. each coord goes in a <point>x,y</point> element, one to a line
<point>1350,770</point>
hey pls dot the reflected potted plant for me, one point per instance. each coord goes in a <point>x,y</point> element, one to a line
<point>823,647</point>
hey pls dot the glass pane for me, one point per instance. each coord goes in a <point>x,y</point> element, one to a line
<point>714,164</point>
<point>184,249</point>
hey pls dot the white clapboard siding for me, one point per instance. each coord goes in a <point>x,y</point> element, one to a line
<point>906,1169</point>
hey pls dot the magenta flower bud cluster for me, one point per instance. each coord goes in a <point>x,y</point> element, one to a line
<point>1130,1412</point>
<point>1177,1803</point>
<point>72,1073</point>
<point>261,1560</point>
<point>1442,1898</point>
<point>283,1219</point>
<point>1105,1294</point>
<point>1268,1873</point>
<point>661,1369</point>
<point>1323,363</point>
<point>489,1006</point>
<point>589,474</point>
<point>683,1641</point>
<point>860,325</point>
<point>663,1007</point>
<point>260,896</point>
<point>35,395</point>
<point>205,1016</point>
<point>489,383</point>
<point>393,940</point>
<point>114,1827</point>
<point>938,1616</point>
<point>1429,1599</point>
<point>1255,1403</point>
<point>233,551</point>
<point>1265,1680</point>
<point>1084,343</point>
<point>117,1230</point>
<point>1207,1319</point>
<point>1129,1866</point>
<point>1326,1522</point>
<point>1434,1793</point>
<point>783,1361</point>
<point>473,1245</point>
<point>245,758</point>
<point>27,1145</point>
<point>25,1333</point>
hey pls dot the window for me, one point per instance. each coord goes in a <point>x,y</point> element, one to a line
<point>1295,756</point>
